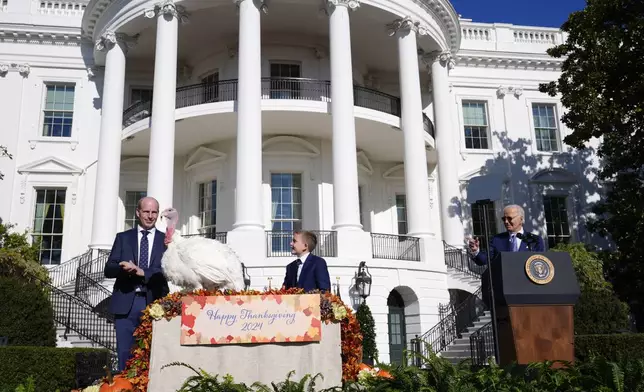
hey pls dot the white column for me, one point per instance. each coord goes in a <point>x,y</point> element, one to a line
<point>108,168</point>
<point>415,160</point>
<point>248,195</point>
<point>346,210</point>
<point>448,185</point>
<point>161,163</point>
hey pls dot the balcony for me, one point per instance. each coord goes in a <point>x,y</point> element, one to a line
<point>395,247</point>
<point>278,243</point>
<point>272,88</point>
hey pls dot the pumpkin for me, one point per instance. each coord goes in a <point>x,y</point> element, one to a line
<point>364,366</point>
<point>384,374</point>
<point>115,383</point>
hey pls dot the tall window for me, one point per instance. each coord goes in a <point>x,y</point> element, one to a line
<point>283,81</point>
<point>286,197</point>
<point>140,95</point>
<point>208,208</point>
<point>211,87</point>
<point>401,213</point>
<point>48,224</point>
<point>556,211</point>
<point>59,110</point>
<point>478,223</point>
<point>545,127</point>
<point>475,125</point>
<point>131,200</point>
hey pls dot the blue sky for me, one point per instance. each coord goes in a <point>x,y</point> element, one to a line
<point>545,13</point>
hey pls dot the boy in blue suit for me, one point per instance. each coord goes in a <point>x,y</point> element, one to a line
<point>308,272</point>
<point>513,240</point>
<point>135,263</point>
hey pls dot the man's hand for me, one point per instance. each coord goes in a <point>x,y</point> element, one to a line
<point>130,267</point>
<point>473,244</point>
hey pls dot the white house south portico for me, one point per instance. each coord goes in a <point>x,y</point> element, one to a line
<point>363,121</point>
<point>248,182</point>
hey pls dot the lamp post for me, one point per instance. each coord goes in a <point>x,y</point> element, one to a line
<point>363,280</point>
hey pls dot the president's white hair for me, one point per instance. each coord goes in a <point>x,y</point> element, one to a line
<point>518,208</point>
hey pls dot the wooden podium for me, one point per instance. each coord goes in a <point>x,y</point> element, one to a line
<point>534,296</point>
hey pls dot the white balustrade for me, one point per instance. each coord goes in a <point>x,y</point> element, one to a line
<point>62,8</point>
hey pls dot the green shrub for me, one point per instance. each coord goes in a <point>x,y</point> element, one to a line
<point>612,347</point>
<point>27,316</point>
<point>19,257</point>
<point>368,329</point>
<point>52,368</point>
<point>599,311</point>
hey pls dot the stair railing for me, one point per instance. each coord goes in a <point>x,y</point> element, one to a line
<point>78,316</point>
<point>460,260</point>
<point>482,345</point>
<point>454,321</point>
<point>65,272</point>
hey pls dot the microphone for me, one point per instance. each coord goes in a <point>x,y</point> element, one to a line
<point>529,239</point>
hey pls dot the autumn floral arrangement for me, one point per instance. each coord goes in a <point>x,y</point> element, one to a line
<point>332,310</point>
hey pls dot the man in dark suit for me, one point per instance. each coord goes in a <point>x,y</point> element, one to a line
<point>135,263</point>
<point>308,272</point>
<point>515,239</point>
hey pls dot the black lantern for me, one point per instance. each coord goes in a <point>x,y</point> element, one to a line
<point>246,277</point>
<point>363,280</point>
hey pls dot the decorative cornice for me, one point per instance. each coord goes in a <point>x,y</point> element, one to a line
<point>93,71</point>
<point>110,38</point>
<point>168,7</point>
<point>406,24</point>
<point>22,68</point>
<point>502,91</point>
<point>446,17</point>
<point>41,38</point>
<point>499,60</point>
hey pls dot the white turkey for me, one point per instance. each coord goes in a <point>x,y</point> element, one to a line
<point>197,262</point>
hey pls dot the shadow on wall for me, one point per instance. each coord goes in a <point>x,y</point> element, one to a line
<point>525,177</point>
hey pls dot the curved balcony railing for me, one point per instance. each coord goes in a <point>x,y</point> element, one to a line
<point>300,89</point>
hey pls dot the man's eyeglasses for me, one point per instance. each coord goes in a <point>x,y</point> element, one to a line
<point>507,218</point>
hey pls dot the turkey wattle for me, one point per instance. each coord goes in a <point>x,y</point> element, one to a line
<point>196,262</point>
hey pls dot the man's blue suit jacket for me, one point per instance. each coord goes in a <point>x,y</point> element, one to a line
<point>126,248</point>
<point>314,275</point>
<point>501,243</point>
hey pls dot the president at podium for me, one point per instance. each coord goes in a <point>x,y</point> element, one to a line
<point>515,239</point>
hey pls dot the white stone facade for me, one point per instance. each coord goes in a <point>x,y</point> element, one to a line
<point>337,99</point>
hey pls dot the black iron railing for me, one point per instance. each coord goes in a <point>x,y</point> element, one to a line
<point>482,345</point>
<point>220,236</point>
<point>461,261</point>
<point>94,267</point>
<point>65,273</point>
<point>454,320</point>
<point>272,88</point>
<point>395,247</point>
<point>93,294</point>
<point>78,316</point>
<point>278,243</point>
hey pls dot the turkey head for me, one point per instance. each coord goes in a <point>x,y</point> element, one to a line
<point>172,215</point>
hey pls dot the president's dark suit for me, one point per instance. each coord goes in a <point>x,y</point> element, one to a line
<point>501,243</point>
<point>127,302</point>
<point>314,275</point>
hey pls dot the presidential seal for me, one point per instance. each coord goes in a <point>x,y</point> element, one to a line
<point>539,269</point>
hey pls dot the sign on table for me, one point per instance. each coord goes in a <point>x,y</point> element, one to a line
<point>250,319</point>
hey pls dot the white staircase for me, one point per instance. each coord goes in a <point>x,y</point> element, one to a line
<point>460,349</point>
